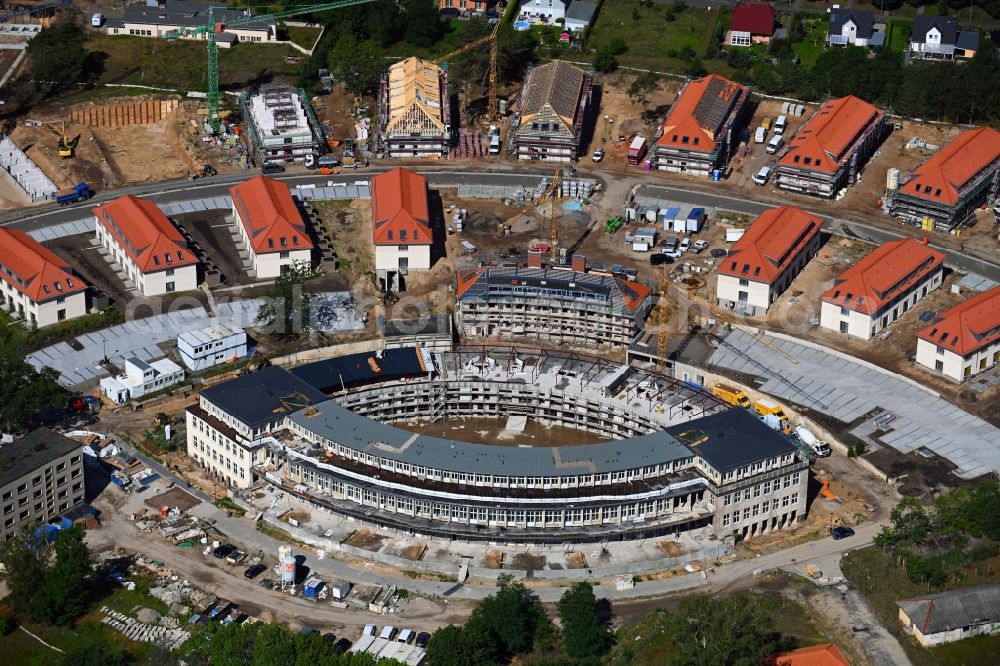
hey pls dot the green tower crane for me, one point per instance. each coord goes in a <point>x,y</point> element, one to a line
<point>210,29</point>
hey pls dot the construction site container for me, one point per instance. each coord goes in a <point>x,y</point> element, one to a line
<point>637,150</point>
<point>311,588</point>
<point>695,220</point>
<point>339,588</point>
<point>667,217</point>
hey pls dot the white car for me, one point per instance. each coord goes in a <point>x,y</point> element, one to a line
<point>369,630</point>
<point>761,176</point>
<point>700,245</point>
<point>673,254</point>
<point>598,155</point>
<point>685,245</point>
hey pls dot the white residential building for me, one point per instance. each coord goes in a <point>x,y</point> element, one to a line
<point>141,378</point>
<point>763,263</point>
<point>147,247</point>
<point>401,222</point>
<point>966,339</point>
<point>270,226</point>
<point>211,346</point>
<point>36,285</point>
<point>547,9</point>
<point>879,289</point>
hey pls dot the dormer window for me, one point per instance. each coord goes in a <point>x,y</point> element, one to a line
<point>270,242</point>
<point>69,282</point>
<point>180,256</point>
<point>156,260</point>
<point>169,259</point>
<point>295,240</point>
<point>389,234</point>
<point>284,242</point>
<point>402,234</point>
<point>45,288</point>
<point>58,286</point>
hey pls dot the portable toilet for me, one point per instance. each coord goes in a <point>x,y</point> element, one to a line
<point>669,216</point>
<point>695,220</point>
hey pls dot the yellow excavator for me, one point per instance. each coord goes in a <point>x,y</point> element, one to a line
<point>65,145</point>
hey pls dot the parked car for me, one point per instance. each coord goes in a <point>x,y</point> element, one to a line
<point>421,640</point>
<point>305,631</point>
<point>236,557</point>
<point>660,258</point>
<point>405,636</point>
<point>700,245</point>
<point>254,570</point>
<point>673,254</point>
<point>267,584</point>
<point>685,245</point>
<point>223,550</point>
<point>598,155</point>
<point>388,632</point>
<point>342,646</point>
<point>272,168</point>
<point>369,630</point>
<point>839,533</point>
<point>329,637</point>
<point>761,176</point>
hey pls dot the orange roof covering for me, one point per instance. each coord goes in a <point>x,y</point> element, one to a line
<point>892,269</point>
<point>269,216</point>
<point>824,140</point>
<point>942,176</point>
<point>153,243</point>
<point>969,326</point>
<point>770,244</point>
<point>633,293</point>
<point>827,654</point>
<point>699,112</point>
<point>399,208</point>
<point>465,279</point>
<point>43,275</point>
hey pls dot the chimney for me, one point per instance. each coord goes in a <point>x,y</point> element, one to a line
<point>534,259</point>
<point>579,263</point>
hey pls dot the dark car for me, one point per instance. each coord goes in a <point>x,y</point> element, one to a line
<point>658,258</point>
<point>267,584</point>
<point>422,638</point>
<point>305,631</point>
<point>254,571</point>
<point>719,252</point>
<point>272,168</point>
<point>330,638</point>
<point>223,550</point>
<point>342,646</point>
<point>839,533</point>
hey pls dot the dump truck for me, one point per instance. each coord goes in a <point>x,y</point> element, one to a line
<point>734,396</point>
<point>79,192</point>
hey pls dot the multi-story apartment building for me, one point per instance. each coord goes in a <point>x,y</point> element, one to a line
<point>270,226</point>
<point>156,18</point>
<point>966,339</point>
<point>401,228</point>
<point>36,285</point>
<point>413,110</point>
<point>146,246</point>
<point>225,428</point>
<point>41,477</point>
<point>703,126</point>
<point>831,148</point>
<point>947,188</point>
<point>763,263</point>
<point>880,288</point>
<point>283,127</point>
<point>565,307</point>
<point>552,112</point>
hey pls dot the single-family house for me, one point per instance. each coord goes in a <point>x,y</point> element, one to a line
<point>752,23</point>
<point>401,225</point>
<point>270,225</point>
<point>549,10</point>
<point>763,262</point>
<point>951,616</point>
<point>150,251</point>
<point>36,285</point>
<point>580,14</point>
<point>879,289</point>
<point>853,27</point>
<point>965,340</point>
<point>938,38</point>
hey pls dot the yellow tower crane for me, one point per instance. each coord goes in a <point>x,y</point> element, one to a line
<point>662,320</point>
<point>492,39</point>
<point>556,188</point>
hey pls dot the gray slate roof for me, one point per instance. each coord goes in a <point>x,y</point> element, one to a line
<point>952,610</point>
<point>864,21</point>
<point>36,449</point>
<point>968,40</point>
<point>185,13</point>
<point>732,439</point>
<point>946,25</point>
<point>263,397</point>
<point>581,10</point>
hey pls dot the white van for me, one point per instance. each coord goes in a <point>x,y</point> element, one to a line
<point>369,630</point>
<point>495,144</point>
<point>774,144</point>
<point>780,124</point>
<point>388,632</point>
<point>760,136</point>
<point>761,176</point>
<point>97,19</point>
<point>405,636</point>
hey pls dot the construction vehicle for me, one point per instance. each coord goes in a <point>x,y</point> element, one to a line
<point>203,171</point>
<point>614,224</point>
<point>66,147</point>
<point>734,396</point>
<point>79,192</point>
<point>256,361</point>
<point>819,447</point>
<point>491,109</point>
<point>211,28</point>
<point>552,190</point>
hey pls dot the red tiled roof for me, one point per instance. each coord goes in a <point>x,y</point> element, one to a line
<point>825,139</point>
<point>757,18</point>
<point>969,326</point>
<point>147,236</point>
<point>827,654</point>
<point>633,293</point>
<point>399,208</point>
<point>465,279</point>
<point>942,176</point>
<point>892,269</point>
<point>44,276</point>
<point>269,216</point>
<point>699,112</point>
<point>770,244</point>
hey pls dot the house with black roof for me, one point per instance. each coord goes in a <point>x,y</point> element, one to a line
<point>938,38</point>
<point>853,27</point>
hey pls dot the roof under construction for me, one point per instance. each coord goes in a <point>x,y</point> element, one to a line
<point>414,97</point>
<point>263,397</point>
<point>557,85</point>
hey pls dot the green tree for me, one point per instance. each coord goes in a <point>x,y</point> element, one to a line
<point>514,615</point>
<point>642,87</point>
<point>58,58</point>
<point>584,636</point>
<point>286,311</point>
<point>729,631</point>
<point>94,649</point>
<point>423,23</point>
<point>605,61</point>
<point>25,393</point>
<point>25,560</point>
<point>359,65</point>
<point>62,597</point>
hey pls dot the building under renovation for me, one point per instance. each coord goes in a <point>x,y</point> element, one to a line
<point>575,308</point>
<point>552,113</point>
<point>944,191</point>
<point>283,127</point>
<point>413,109</point>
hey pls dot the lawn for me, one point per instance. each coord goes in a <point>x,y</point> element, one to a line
<point>181,64</point>
<point>811,46</point>
<point>882,583</point>
<point>304,36</point>
<point>898,37</point>
<point>653,42</point>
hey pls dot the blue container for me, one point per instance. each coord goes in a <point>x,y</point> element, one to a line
<point>716,175</point>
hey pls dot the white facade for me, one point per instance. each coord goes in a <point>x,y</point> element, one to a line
<point>47,313</point>
<point>402,257</point>
<point>848,35</point>
<point>211,346</point>
<point>229,454</point>
<point>954,366</point>
<point>550,9</point>
<point>141,378</point>
<point>154,283</point>
<point>748,294</point>
<point>269,264</point>
<point>865,326</point>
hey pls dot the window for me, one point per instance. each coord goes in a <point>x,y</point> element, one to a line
<point>744,282</point>
<point>171,287</point>
<point>170,272</point>
<point>61,315</point>
<point>283,255</point>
